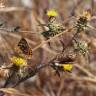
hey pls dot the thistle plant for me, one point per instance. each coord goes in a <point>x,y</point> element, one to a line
<point>53,25</point>
<point>62,62</point>
<point>81,47</point>
<point>17,68</point>
<point>82,21</point>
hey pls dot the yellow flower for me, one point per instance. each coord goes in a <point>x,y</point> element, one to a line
<point>87,14</point>
<point>52,13</point>
<point>67,67</point>
<point>18,61</point>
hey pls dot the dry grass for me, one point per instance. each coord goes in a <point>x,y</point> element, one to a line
<point>28,14</point>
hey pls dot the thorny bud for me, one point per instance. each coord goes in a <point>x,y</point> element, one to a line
<point>54,28</point>
<point>82,21</point>
<point>81,46</point>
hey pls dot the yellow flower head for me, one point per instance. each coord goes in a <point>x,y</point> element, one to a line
<point>18,61</point>
<point>52,13</point>
<point>87,14</point>
<point>67,67</point>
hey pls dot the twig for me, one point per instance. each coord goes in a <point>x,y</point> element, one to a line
<point>31,73</point>
<point>40,45</point>
<point>11,9</point>
<point>88,79</point>
<point>84,70</point>
<point>12,91</point>
<point>19,31</point>
<point>15,36</point>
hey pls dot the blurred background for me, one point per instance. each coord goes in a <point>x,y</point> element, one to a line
<point>28,15</point>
